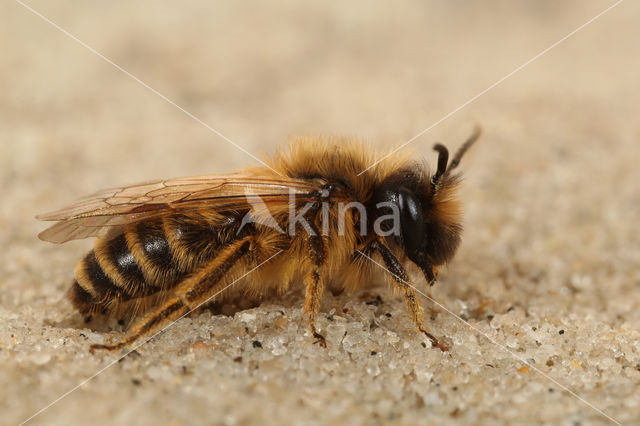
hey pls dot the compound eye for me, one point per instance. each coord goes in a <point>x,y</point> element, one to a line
<point>411,223</point>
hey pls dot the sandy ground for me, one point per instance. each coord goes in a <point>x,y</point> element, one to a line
<point>547,273</point>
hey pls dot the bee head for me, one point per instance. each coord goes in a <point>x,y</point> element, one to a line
<point>428,210</point>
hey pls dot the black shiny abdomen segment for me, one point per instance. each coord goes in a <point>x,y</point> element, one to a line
<point>154,244</point>
<point>102,284</point>
<point>123,260</point>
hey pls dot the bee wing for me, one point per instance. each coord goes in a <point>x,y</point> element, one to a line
<point>107,211</point>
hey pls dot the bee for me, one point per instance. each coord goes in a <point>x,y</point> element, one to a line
<point>312,217</point>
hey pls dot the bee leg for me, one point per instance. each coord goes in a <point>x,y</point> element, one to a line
<point>401,280</point>
<point>172,310</point>
<point>202,286</point>
<point>314,284</point>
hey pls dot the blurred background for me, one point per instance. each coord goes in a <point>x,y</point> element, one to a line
<point>551,189</point>
<point>259,73</point>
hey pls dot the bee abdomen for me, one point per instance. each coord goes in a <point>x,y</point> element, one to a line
<point>109,274</point>
<point>148,257</point>
<point>153,253</point>
<point>93,290</point>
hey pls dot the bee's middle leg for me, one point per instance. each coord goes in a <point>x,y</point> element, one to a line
<point>204,285</point>
<point>314,283</point>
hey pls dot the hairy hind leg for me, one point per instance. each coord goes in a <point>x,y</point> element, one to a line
<point>202,286</point>
<point>401,281</point>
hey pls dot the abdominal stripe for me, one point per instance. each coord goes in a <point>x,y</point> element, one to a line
<point>161,268</point>
<point>155,246</point>
<point>103,287</point>
<point>113,271</point>
<point>123,259</point>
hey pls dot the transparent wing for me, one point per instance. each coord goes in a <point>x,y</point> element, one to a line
<point>107,211</point>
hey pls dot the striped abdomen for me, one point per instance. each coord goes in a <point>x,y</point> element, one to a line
<point>146,258</point>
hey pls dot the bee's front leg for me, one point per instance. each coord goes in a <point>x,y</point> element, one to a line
<point>401,280</point>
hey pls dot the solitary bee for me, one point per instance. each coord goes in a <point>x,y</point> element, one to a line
<point>312,216</point>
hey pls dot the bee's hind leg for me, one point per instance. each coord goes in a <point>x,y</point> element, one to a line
<point>401,281</point>
<point>202,286</point>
